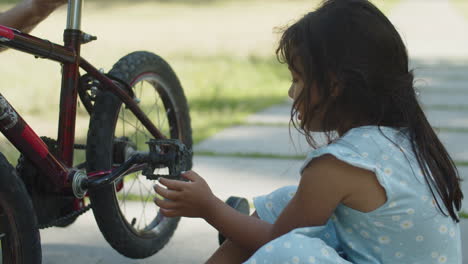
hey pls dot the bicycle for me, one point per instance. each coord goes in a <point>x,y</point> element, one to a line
<point>124,146</point>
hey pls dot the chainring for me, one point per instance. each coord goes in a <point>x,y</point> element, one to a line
<point>49,206</point>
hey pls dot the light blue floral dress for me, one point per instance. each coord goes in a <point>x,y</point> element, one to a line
<point>408,228</point>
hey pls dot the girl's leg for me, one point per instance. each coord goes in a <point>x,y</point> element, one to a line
<point>229,252</point>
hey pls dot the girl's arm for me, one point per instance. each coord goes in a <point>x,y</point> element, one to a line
<point>195,199</point>
<point>322,187</point>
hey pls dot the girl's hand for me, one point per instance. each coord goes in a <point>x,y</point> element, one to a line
<point>189,199</point>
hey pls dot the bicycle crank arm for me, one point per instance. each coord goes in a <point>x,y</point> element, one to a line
<point>96,180</point>
<point>164,153</point>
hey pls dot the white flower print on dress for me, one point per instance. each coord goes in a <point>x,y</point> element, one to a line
<point>407,224</point>
<point>269,205</point>
<point>287,244</point>
<point>365,234</point>
<point>364,154</point>
<point>419,238</point>
<point>410,211</point>
<point>392,204</point>
<point>269,248</point>
<point>376,249</point>
<point>399,254</point>
<point>384,239</point>
<point>296,259</point>
<point>396,218</point>
<point>379,224</point>
<point>434,254</point>
<point>442,259</point>
<point>311,259</point>
<point>452,232</point>
<point>424,198</point>
<point>325,252</point>
<point>443,229</point>
<point>388,171</point>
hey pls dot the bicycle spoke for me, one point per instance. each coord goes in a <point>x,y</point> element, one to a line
<point>131,186</point>
<point>142,211</point>
<point>136,128</point>
<point>124,196</point>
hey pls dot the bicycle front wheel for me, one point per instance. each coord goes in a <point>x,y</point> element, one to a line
<point>19,234</point>
<point>124,211</point>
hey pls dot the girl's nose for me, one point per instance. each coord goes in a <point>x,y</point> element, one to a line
<point>291,92</point>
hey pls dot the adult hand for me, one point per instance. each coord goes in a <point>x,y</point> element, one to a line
<point>190,199</point>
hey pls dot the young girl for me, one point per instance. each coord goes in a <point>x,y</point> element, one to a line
<point>383,190</point>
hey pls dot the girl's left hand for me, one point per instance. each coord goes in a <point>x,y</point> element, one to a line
<point>190,199</point>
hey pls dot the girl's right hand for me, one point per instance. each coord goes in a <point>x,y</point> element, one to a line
<point>190,199</point>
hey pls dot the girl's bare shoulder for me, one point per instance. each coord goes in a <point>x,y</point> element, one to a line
<point>359,188</point>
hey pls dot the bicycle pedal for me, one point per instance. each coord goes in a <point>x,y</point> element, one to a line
<point>167,153</point>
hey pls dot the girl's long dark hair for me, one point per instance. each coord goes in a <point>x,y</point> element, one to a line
<point>350,46</point>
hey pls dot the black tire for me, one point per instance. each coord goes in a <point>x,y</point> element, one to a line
<point>20,240</point>
<point>107,124</point>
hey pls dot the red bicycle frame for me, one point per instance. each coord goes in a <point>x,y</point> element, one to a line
<point>59,168</point>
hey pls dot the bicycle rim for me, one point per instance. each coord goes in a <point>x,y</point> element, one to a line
<point>143,215</point>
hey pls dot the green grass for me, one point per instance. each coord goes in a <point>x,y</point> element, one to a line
<point>463,214</point>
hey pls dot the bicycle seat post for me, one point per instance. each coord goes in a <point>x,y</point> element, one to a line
<point>74,14</point>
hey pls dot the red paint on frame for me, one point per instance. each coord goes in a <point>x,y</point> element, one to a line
<point>6,33</point>
<point>36,143</point>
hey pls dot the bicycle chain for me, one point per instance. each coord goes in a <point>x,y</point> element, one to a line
<point>67,217</point>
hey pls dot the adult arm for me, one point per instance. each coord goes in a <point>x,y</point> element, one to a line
<point>28,13</point>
